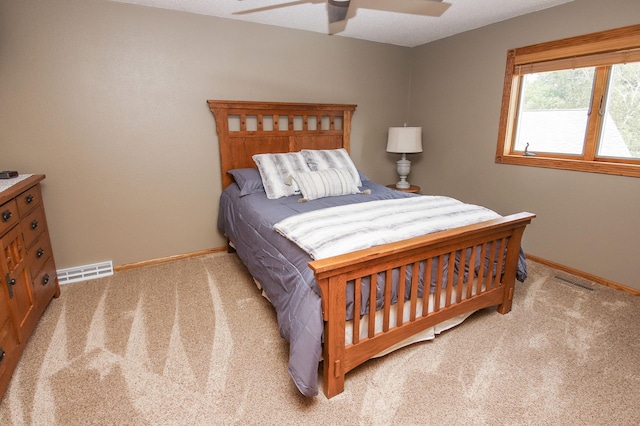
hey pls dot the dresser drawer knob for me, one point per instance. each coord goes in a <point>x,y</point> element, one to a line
<point>6,215</point>
<point>29,199</point>
<point>45,279</point>
<point>34,224</point>
<point>40,252</point>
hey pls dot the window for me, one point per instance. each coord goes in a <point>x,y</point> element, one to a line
<point>574,104</point>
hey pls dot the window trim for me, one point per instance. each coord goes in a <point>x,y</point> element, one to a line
<point>589,48</point>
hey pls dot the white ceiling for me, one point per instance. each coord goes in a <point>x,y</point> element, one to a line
<point>384,27</point>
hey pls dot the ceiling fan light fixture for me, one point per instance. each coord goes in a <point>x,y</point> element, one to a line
<point>337,10</point>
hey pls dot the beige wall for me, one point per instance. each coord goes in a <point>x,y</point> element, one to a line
<point>109,101</point>
<point>586,221</point>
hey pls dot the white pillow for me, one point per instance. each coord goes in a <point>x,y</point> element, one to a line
<point>324,183</point>
<point>275,168</point>
<point>322,159</point>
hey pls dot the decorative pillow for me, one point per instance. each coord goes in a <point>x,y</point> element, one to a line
<point>248,180</point>
<point>322,159</point>
<point>324,183</point>
<point>275,168</point>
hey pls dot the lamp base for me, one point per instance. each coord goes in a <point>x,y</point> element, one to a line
<point>403,168</point>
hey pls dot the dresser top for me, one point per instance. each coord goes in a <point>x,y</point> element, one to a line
<point>9,188</point>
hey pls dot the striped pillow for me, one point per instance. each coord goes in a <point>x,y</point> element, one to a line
<point>324,183</point>
<point>322,159</point>
<point>275,168</point>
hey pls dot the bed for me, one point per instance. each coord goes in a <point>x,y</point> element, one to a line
<point>322,302</point>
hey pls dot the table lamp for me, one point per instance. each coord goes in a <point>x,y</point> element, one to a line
<point>404,140</point>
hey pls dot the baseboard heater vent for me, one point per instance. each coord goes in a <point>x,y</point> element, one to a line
<point>86,272</point>
<point>566,280</point>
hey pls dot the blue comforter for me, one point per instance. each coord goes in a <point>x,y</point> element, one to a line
<point>282,269</point>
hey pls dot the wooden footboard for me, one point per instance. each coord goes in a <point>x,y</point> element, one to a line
<point>486,241</point>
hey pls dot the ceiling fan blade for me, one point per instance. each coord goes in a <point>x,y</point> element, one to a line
<point>413,7</point>
<point>276,6</point>
<point>337,10</point>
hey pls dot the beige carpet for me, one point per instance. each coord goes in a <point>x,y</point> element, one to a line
<point>192,342</point>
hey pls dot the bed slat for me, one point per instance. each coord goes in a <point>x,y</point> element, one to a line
<point>372,320</point>
<point>415,277</point>
<point>401,290</point>
<point>356,311</point>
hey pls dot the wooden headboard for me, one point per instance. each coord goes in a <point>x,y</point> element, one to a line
<point>246,128</point>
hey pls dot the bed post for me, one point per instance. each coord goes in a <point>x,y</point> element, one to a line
<point>509,278</point>
<point>334,347</point>
<point>346,130</point>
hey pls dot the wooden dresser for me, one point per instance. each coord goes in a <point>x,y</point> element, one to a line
<point>29,280</point>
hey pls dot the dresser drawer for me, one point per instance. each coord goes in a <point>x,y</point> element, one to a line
<point>28,200</point>
<point>9,354</point>
<point>44,284</point>
<point>33,226</point>
<point>8,344</point>
<point>8,215</point>
<point>38,254</point>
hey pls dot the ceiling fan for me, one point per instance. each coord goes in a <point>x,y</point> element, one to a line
<point>339,11</point>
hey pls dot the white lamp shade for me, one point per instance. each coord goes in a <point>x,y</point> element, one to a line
<point>404,140</point>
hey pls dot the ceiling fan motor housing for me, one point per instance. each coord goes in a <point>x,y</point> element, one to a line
<point>337,10</point>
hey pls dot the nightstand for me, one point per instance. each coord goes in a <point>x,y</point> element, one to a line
<point>413,188</point>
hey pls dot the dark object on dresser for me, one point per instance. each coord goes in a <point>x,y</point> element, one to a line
<point>8,174</point>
